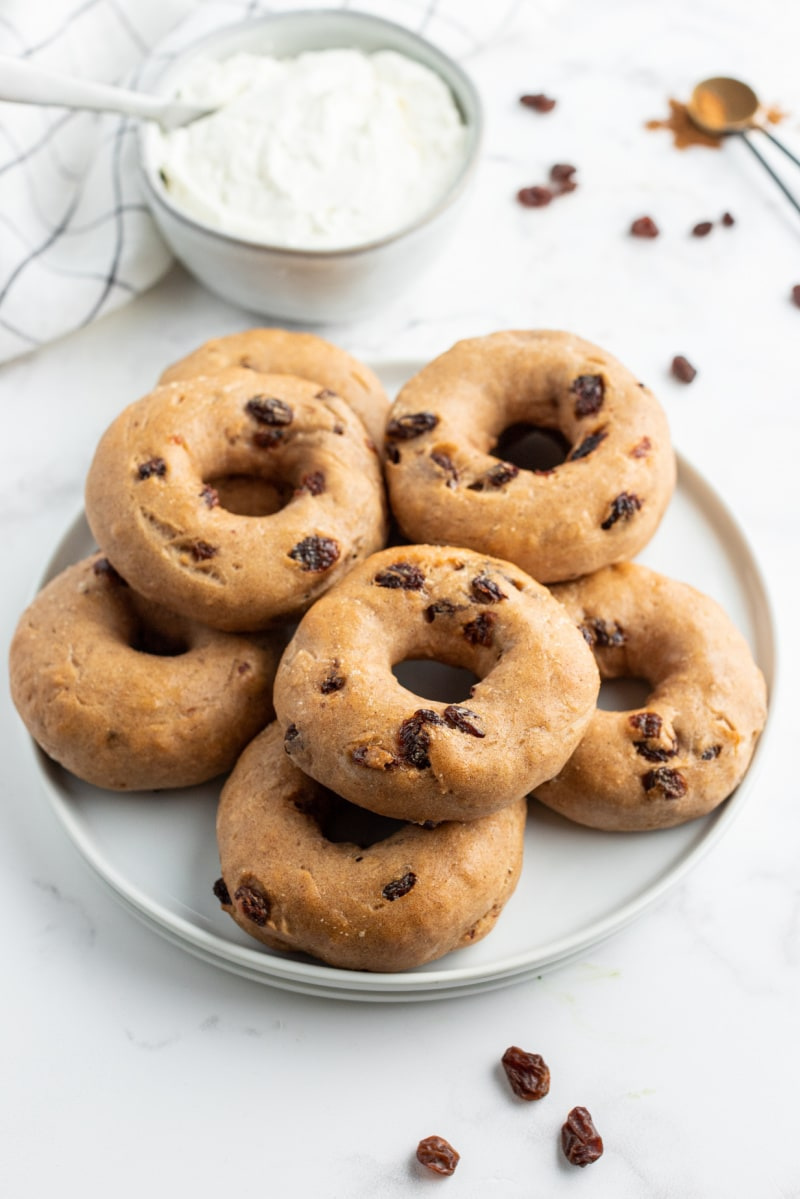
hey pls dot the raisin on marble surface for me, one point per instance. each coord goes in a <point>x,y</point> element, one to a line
<point>580,1140</point>
<point>527,1073</point>
<point>538,101</point>
<point>644,226</point>
<point>437,1155</point>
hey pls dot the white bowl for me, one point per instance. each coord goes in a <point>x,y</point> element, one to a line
<point>313,286</point>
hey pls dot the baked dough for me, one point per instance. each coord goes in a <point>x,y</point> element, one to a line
<point>350,724</point>
<point>408,898</point>
<point>688,747</point>
<point>601,505</point>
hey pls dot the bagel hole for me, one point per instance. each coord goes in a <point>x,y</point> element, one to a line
<point>250,495</point>
<point>623,694</point>
<point>148,640</point>
<point>430,679</point>
<point>345,823</point>
<point>532,447</point>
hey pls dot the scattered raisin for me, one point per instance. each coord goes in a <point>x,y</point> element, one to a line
<point>201,551</point>
<point>253,904</point>
<point>623,507</point>
<point>210,496</point>
<point>268,410</point>
<point>670,783</point>
<point>562,172</point>
<point>399,886</point>
<point>486,591</point>
<point>702,229</point>
<point>534,197</point>
<point>315,553</point>
<point>313,483</point>
<point>333,681</point>
<point>438,1155</point>
<point>682,369</point>
<point>448,466</point>
<point>587,445</point>
<point>712,752</point>
<point>580,1140</point>
<point>480,630</point>
<point>404,428</point>
<point>527,1073</point>
<point>601,634</point>
<point>439,608</point>
<point>414,740</point>
<point>644,226</point>
<point>103,569</point>
<point>642,448</point>
<point>647,723</point>
<point>154,466</point>
<point>727,219</point>
<point>539,102</point>
<point>796,294</point>
<point>222,893</point>
<point>590,390</point>
<point>463,719</point>
<point>403,576</point>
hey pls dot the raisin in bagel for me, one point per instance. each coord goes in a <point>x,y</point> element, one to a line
<point>128,696</point>
<point>601,505</point>
<point>689,746</point>
<point>406,899</point>
<point>281,352</point>
<point>350,724</point>
<point>154,511</point>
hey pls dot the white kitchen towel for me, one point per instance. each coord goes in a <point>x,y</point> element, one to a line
<point>76,238</point>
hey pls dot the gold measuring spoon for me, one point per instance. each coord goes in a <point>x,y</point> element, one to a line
<point>722,106</point>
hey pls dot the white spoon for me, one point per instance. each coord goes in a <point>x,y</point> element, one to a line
<point>23,83</point>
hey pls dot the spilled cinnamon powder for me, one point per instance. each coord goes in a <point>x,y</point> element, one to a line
<point>685,133</point>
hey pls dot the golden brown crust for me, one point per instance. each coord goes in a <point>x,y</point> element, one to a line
<point>152,507</point>
<point>407,899</point>
<point>689,746</point>
<point>281,352</point>
<point>350,724</point>
<point>128,719</point>
<point>602,505</point>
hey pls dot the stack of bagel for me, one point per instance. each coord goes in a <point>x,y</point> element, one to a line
<point>243,617</point>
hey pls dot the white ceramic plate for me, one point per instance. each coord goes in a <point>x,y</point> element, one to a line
<point>157,852</point>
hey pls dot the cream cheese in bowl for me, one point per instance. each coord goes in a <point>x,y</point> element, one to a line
<point>326,150</point>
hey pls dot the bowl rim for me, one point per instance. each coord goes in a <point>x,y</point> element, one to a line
<point>159,195</point>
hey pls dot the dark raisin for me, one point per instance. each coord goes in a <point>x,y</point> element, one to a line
<point>464,720</point>
<point>222,893</point>
<point>291,735</point>
<point>104,570</point>
<point>712,752</point>
<point>445,462</point>
<point>534,197</point>
<point>580,1140</point>
<point>333,681</point>
<point>603,635</point>
<point>486,591</point>
<point>623,507</point>
<point>727,219</point>
<point>153,467</point>
<point>268,410</point>
<point>682,369</point>
<point>440,608</point>
<point>338,429</point>
<point>642,448</point>
<point>656,753</point>
<point>313,483</point>
<point>527,1073</point>
<point>504,472</point>
<point>480,630</point>
<point>393,454</point>
<point>590,390</point>
<point>403,576</point>
<point>438,1155</point>
<point>201,551</point>
<point>210,496</point>
<point>267,439</point>
<point>315,553</point>
<point>404,428</point>
<point>399,887</point>
<point>796,294</point>
<point>414,740</point>
<point>243,668</point>
<point>587,445</point>
<point>253,904</point>
<point>644,226</point>
<point>647,723</point>
<point>562,172</point>
<point>670,783</point>
<point>702,229</point>
<point>539,102</point>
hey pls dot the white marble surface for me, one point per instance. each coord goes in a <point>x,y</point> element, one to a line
<point>130,1068</point>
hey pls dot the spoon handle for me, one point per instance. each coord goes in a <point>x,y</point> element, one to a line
<point>753,150</point>
<point>23,83</point>
<point>779,144</point>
